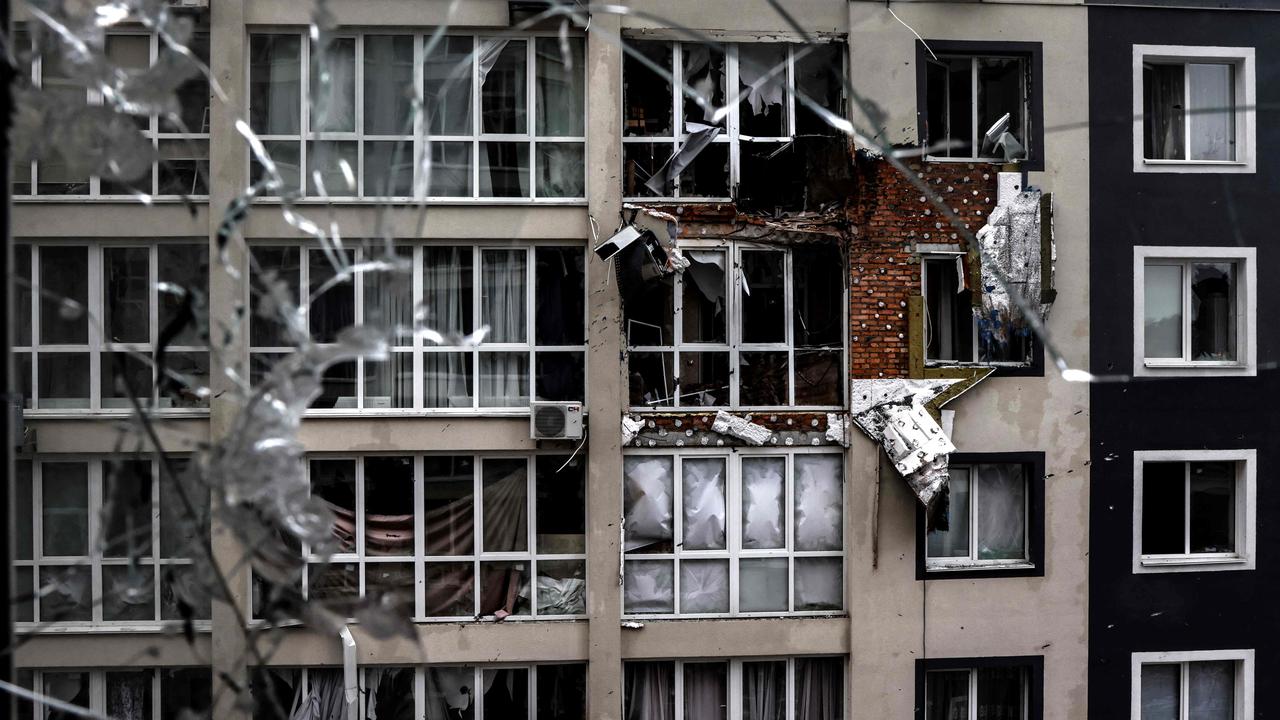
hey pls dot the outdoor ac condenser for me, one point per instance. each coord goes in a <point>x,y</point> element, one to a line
<point>555,420</point>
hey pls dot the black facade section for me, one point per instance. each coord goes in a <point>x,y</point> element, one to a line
<point>1033,470</point>
<point>1178,611</point>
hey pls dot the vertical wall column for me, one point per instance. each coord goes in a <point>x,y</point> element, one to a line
<point>228,173</point>
<point>604,374</point>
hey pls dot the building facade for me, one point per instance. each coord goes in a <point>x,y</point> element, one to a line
<point>728,539</point>
<point>1187,498</point>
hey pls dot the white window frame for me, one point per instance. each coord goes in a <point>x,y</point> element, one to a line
<point>734,346</point>
<point>419,559</point>
<point>973,688</point>
<point>1245,97</point>
<point>979,132</point>
<point>734,684</point>
<point>1246,362</point>
<point>1244,521</point>
<point>731,134</point>
<point>733,551</point>
<point>415,145</point>
<point>973,562</point>
<point>98,686</point>
<point>417,346</point>
<point>97,346</point>
<point>94,560</point>
<point>360,708</point>
<point>152,132</point>
<point>1244,660</point>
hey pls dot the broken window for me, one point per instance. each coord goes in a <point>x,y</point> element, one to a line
<point>1201,685</point>
<point>950,329</point>
<point>743,326</point>
<point>1194,510</point>
<point>986,518</point>
<point>977,107</point>
<point>500,535</point>
<point>532,299</point>
<point>1191,312</point>
<point>89,541</point>
<point>694,138</point>
<point>724,689</point>
<point>1189,111</point>
<point>181,144</point>
<point>758,533</point>
<point>123,280</point>
<point>522,137</point>
<point>989,691</point>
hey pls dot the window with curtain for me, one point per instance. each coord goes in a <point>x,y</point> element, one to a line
<point>135,312</point>
<point>448,536</point>
<point>743,534</point>
<point>1197,685</point>
<point>991,692</point>
<point>690,140</point>
<point>531,299</point>
<point>985,520</point>
<point>1189,111</point>
<point>744,326</point>
<point>501,117</point>
<point>179,142</point>
<point>108,541</point>
<point>1191,313</point>
<point>798,688</point>
<point>133,694</point>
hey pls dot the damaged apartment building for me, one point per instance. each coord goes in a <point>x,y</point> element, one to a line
<point>734,404</point>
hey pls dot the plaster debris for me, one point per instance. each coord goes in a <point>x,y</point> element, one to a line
<point>1016,242</point>
<point>632,625</point>
<point>741,428</point>
<point>631,426</point>
<point>838,428</point>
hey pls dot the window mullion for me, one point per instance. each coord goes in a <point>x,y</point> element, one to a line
<point>358,61</point>
<point>419,366</point>
<point>1184,686</point>
<point>477,292</point>
<point>96,299</point>
<point>1186,513</point>
<point>974,482</point>
<point>156,575</point>
<point>477,523</point>
<point>733,525</point>
<point>304,118</point>
<point>788,280</point>
<point>419,129</point>
<point>94,476</point>
<point>1186,311</point>
<point>792,101</point>
<point>153,316</point>
<point>530,119</point>
<point>531,528</point>
<point>1186,110</point>
<point>476,129</point>
<point>677,525</point>
<point>973,692</point>
<point>788,515</point>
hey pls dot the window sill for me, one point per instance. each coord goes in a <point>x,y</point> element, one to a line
<point>1191,563</point>
<point>260,624</point>
<point>678,200</point>
<point>100,199</point>
<point>1194,166</point>
<point>991,566</point>
<point>465,202</point>
<point>975,160</point>
<point>799,614</point>
<point>1155,368</point>
<point>67,414</point>
<point>107,627</point>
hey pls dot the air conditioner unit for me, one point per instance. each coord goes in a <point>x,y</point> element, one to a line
<point>555,420</point>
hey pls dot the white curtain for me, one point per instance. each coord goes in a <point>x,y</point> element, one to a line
<point>1001,511</point>
<point>704,586</point>
<point>648,502</point>
<point>819,688</point>
<point>450,693</point>
<point>650,691</point>
<point>819,502</point>
<point>706,688</point>
<point>764,690</point>
<point>704,504</point>
<point>648,587</point>
<point>762,503</point>
<point>1211,111</point>
<point>447,298</point>
<point>325,699</point>
<point>281,62</point>
<point>560,87</point>
<point>504,377</point>
<point>333,103</point>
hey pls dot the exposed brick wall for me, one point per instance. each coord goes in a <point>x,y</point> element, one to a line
<point>892,215</point>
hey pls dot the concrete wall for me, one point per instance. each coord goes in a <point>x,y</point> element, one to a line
<point>896,619</point>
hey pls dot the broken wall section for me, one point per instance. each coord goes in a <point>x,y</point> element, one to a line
<point>895,224</point>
